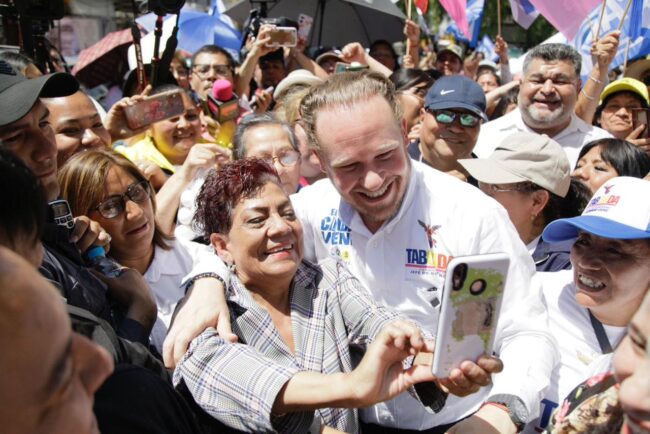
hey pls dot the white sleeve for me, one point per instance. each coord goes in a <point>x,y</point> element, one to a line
<point>207,261</point>
<point>301,204</point>
<point>522,342</point>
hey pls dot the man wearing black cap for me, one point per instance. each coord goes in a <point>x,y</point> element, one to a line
<point>451,121</point>
<point>25,130</point>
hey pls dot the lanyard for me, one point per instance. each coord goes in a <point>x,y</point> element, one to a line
<point>601,335</point>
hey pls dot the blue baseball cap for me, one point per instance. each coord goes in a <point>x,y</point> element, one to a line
<point>620,209</point>
<point>454,92</point>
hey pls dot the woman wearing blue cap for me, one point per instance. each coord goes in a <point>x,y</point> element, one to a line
<point>590,306</point>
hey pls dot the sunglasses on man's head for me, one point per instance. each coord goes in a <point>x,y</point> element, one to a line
<point>447,117</point>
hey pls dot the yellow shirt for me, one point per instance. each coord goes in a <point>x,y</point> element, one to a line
<point>145,149</point>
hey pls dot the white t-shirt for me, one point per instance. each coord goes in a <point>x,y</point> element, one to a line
<point>164,276</point>
<point>572,138</point>
<point>577,342</point>
<point>404,269</point>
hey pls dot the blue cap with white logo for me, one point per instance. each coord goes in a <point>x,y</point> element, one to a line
<point>456,92</point>
<point>620,209</point>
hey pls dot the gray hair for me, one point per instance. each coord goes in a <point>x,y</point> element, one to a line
<point>256,120</point>
<point>553,52</point>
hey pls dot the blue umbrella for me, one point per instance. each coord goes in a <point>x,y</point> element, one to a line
<point>199,28</point>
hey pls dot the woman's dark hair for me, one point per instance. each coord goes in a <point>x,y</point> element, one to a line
<point>388,45</point>
<point>24,203</point>
<point>623,156</point>
<point>224,188</point>
<point>568,206</point>
<point>601,107</point>
<point>406,78</point>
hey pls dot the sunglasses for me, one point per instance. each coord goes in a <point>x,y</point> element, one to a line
<point>447,117</point>
<point>138,192</point>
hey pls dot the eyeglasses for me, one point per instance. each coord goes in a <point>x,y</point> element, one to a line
<point>467,120</point>
<point>115,205</point>
<point>286,159</point>
<point>492,189</point>
<point>204,69</point>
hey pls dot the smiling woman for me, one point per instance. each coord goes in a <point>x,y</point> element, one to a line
<point>296,320</point>
<point>591,306</point>
<point>76,124</point>
<point>112,191</point>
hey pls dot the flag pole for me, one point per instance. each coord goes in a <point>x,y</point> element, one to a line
<point>499,17</point>
<point>627,8</point>
<point>409,6</point>
<point>600,21</point>
<point>627,51</point>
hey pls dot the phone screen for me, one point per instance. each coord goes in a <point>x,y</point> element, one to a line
<point>154,109</point>
<point>470,309</point>
<point>640,117</point>
<point>283,37</point>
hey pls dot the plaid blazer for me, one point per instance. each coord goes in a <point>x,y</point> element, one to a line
<point>238,383</point>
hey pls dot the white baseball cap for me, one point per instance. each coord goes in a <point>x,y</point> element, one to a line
<point>620,209</point>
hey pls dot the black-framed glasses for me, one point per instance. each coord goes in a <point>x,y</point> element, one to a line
<point>138,192</point>
<point>286,159</point>
<point>447,117</point>
<point>203,69</point>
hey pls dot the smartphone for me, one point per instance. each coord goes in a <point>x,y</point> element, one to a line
<point>283,37</point>
<point>469,310</point>
<point>155,108</point>
<point>62,213</point>
<point>345,67</point>
<point>641,116</point>
<point>304,27</point>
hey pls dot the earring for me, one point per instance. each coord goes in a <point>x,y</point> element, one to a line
<point>232,268</point>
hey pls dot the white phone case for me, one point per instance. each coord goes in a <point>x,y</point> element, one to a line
<point>469,311</point>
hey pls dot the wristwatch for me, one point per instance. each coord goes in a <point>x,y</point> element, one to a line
<point>516,408</point>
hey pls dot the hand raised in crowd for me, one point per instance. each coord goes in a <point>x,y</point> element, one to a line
<point>154,173</point>
<point>263,100</point>
<point>501,48</point>
<point>88,233</point>
<point>259,43</point>
<point>204,306</point>
<point>202,156</point>
<point>604,50</point>
<point>116,122</point>
<point>643,143</point>
<point>407,61</point>
<point>412,32</point>
<point>354,52</point>
<point>470,65</point>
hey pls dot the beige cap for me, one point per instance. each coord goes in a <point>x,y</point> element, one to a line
<point>524,157</point>
<point>299,76</point>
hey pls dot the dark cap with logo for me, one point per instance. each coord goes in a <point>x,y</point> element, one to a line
<point>19,94</point>
<point>456,92</point>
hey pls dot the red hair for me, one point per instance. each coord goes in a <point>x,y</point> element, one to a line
<point>224,188</point>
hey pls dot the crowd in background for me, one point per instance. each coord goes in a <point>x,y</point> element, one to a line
<point>255,273</point>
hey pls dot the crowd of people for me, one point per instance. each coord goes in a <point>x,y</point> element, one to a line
<point>284,273</point>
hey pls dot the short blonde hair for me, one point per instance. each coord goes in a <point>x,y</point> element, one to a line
<point>82,180</point>
<point>345,89</point>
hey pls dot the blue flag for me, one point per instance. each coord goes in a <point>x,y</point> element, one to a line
<point>474,18</point>
<point>486,46</point>
<point>636,30</point>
